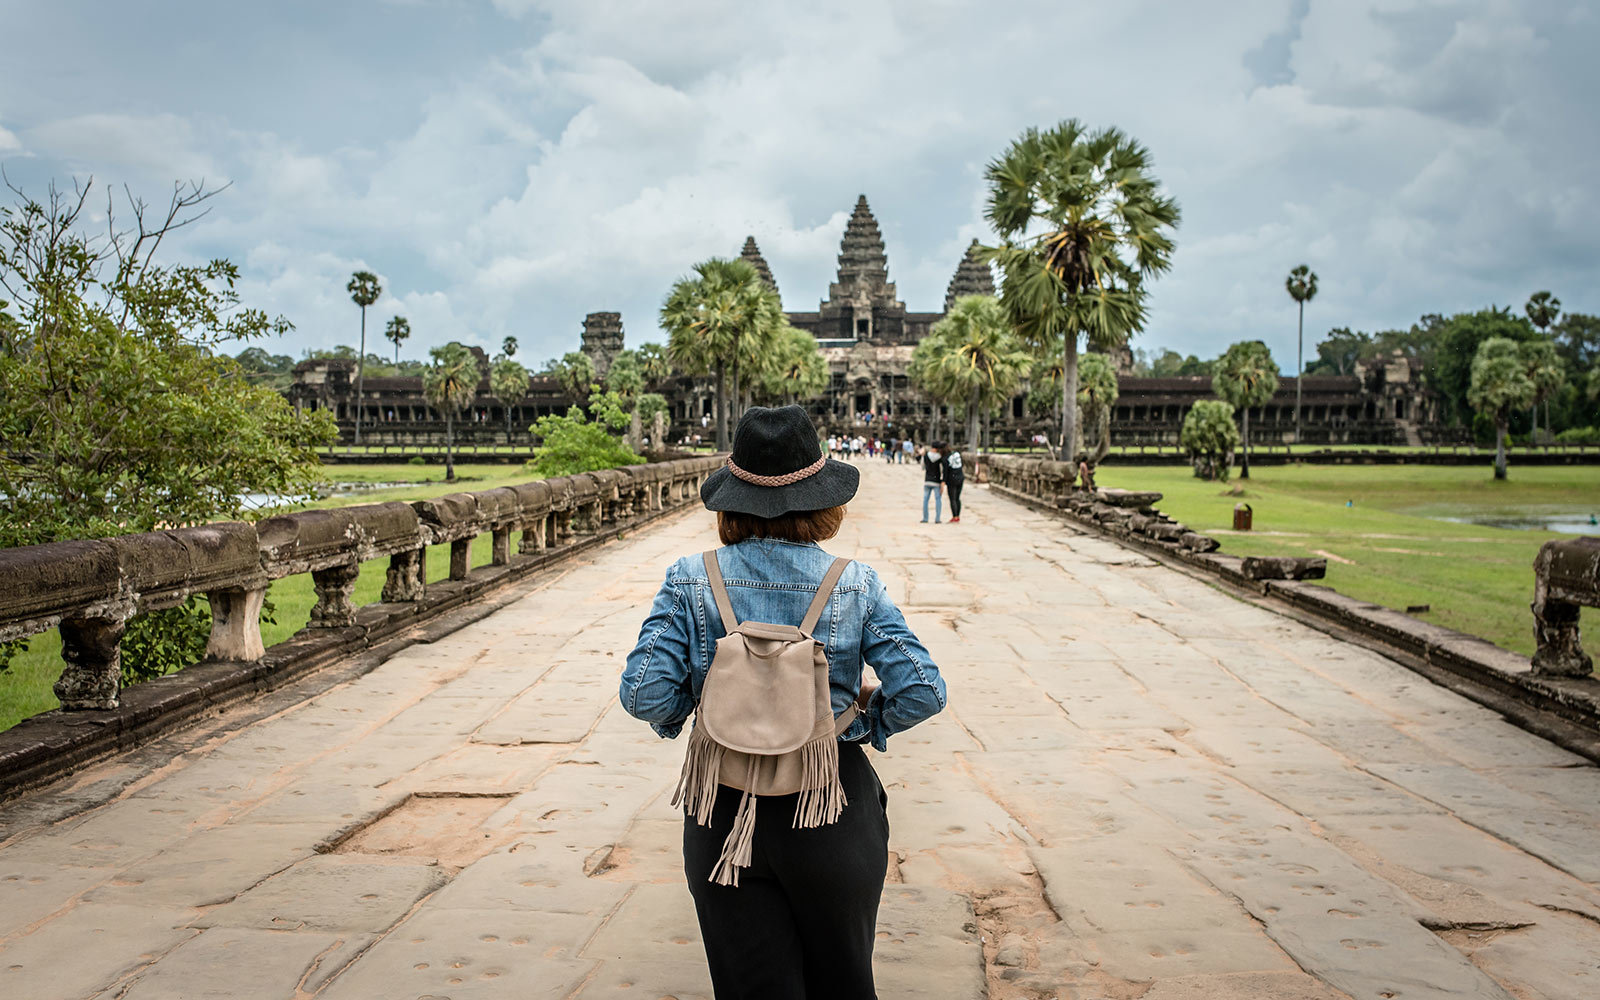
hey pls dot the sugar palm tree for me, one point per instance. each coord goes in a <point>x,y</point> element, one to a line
<point>1097,394</point>
<point>398,330</point>
<point>798,369</point>
<point>1500,386</point>
<point>508,384</point>
<point>1083,228</point>
<point>980,361</point>
<point>1542,310</point>
<point>364,290</point>
<point>508,347</point>
<point>450,385</point>
<point>654,365</point>
<point>1246,376</point>
<point>1302,287</point>
<point>1545,371</point>
<point>709,317</point>
<point>575,373</point>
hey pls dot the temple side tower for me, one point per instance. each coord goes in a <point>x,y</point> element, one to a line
<point>972,277</point>
<point>602,339</point>
<point>752,253</point>
<point>861,305</point>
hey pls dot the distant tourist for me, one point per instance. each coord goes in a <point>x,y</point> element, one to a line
<point>1085,474</point>
<point>786,897</point>
<point>906,447</point>
<point>933,483</point>
<point>954,477</point>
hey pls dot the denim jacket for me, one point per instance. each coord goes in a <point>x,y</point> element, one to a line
<point>773,581</point>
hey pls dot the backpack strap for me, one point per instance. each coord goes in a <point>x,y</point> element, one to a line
<point>719,590</point>
<point>830,579</point>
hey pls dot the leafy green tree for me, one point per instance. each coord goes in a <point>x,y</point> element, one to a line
<point>1338,353</point>
<point>120,412</point>
<point>397,331</point>
<point>1456,346</point>
<point>654,364</point>
<point>263,368</point>
<point>1209,436</point>
<point>364,291</point>
<point>1500,386</point>
<point>979,361</point>
<point>1097,394</point>
<point>1577,337</point>
<point>574,372</point>
<point>508,346</point>
<point>714,319</point>
<point>1246,376</point>
<point>1547,374</point>
<point>798,369</point>
<point>508,384</point>
<point>1302,287</point>
<point>450,385</point>
<point>1083,228</point>
<point>572,444</point>
<point>626,379</point>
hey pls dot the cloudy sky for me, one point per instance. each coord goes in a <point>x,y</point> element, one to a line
<point>508,166</point>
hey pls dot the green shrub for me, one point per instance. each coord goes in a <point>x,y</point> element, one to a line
<point>1579,435</point>
<point>573,444</point>
<point>416,460</point>
<point>1209,436</point>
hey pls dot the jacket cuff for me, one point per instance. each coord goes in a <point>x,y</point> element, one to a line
<point>667,732</point>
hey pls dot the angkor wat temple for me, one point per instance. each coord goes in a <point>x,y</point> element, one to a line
<point>867,335</point>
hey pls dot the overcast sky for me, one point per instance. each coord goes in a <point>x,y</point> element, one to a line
<point>508,166</point>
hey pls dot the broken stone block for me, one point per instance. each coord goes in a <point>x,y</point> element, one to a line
<point>1196,542</point>
<point>1128,498</point>
<point>1283,568</point>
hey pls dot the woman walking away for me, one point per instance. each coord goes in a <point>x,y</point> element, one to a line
<point>954,477</point>
<point>785,833</point>
<point>933,481</point>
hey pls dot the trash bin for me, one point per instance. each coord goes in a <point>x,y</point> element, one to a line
<point>1242,516</point>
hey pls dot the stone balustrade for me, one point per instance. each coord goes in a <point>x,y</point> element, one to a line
<point>90,589</point>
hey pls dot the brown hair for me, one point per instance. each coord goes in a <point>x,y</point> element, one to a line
<point>796,526</point>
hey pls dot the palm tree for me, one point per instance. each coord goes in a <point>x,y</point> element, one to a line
<point>654,365</point>
<point>798,370</point>
<point>508,384</point>
<point>1545,371</point>
<point>709,317</point>
<point>980,361</point>
<point>575,373</point>
<point>626,378</point>
<point>399,329</point>
<point>1246,376</point>
<point>451,384</point>
<point>1542,310</point>
<point>1302,286</point>
<point>1500,386</point>
<point>508,347</point>
<point>1097,393</point>
<point>364,291</point>
<point>1083,228</point>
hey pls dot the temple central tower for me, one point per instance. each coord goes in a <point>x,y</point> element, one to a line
<point>861,305</point>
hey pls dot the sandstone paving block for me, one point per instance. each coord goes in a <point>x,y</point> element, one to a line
<point>1110,889</point>
<point>1323,791</point>
<point>32,888</point>
<point>534,878</point>
<point>582,806</point>
<point>339,804</point>
<point>1004,733</point>
<point>655,923</point>
<point>88,948</point>
<point>930,806</point>
<point>641,980</point>
<point>542,715</point>
<point>479,769</point>
<point>1243,986</point>
<point>1500,747</point>
<point>1156,953</point>
<point>330,892</point>
<point>213,866</point>
<point>1378,741</point>
<point>225,962</point>
<point>927,945</point>
<point>396,971</point>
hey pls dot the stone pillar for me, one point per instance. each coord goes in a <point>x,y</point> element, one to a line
<point>406,580</point>
<point>236,624</point>
<point>501,551</point>
<point>91,649</point>
<point>533,539</point>
<point>460,558</point>
<point>1555,631</point>
<point>333,586</point>
<point>564,528</point>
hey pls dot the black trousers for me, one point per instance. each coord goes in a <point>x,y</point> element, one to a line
<point>953,487</point>
<point>800,924</point>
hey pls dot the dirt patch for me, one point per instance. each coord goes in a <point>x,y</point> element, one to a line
<point>449,830</point>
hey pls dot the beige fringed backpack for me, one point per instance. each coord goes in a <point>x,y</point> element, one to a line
<point>764,724</point>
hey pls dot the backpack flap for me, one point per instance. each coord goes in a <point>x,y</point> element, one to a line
<point>761,696</point>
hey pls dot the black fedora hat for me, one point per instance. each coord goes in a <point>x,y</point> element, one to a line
<point>777,467</point>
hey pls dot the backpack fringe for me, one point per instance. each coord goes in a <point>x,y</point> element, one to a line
<point>822,797</point>
<point>698,781</point>
<point>736,850</point>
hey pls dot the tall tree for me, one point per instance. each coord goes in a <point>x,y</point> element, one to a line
<point>364,291</point>
<point>1209,436</point>
<point>1500,386</point>
<point>1337,354</point>
<point>1097,394</point>
<point>1302,287</point>
<point>979,361</point>
<point>1455,344</point>
<point>625,380</point>
<point>508,384</point>
<point>1548,375</point>
<point>712,317</point>
<point>654,364</point>
<point>798,370</point>
<point>398,331</point>
<point>1542,309</point>
<point>508,347</point>
<point>574,371</point>
<point>450,385</point>
<point>1246,376</point>
<point>1083,227</point>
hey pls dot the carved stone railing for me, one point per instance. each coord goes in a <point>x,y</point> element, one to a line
<point>1556,681</point>
<point>90,589</point>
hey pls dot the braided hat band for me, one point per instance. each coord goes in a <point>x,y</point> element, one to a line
<point>784,480</point>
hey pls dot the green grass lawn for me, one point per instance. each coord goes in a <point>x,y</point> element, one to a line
<point>1385,546</point>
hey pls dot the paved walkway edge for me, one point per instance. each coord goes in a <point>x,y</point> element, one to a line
<point>1565,711</point>
<point>52,745</point>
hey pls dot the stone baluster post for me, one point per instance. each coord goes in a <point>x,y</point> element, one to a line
<point>564,528</point>
<point>236,624</point>
<point>406,579</point>
<point>500,551</point>
<point>533,536</point>
<point>460,558</point>
<point>91,650</point>
<point>333,586</point>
